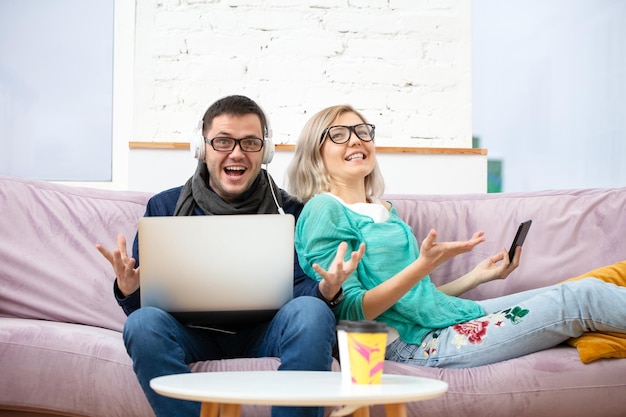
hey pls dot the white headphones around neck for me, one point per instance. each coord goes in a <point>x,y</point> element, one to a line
<point>198,149</point>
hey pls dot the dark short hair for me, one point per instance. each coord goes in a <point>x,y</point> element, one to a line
<point>234,105</point>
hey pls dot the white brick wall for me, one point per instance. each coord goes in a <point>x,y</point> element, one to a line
<point>405,63</point>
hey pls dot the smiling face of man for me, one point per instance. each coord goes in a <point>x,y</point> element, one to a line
<point>233,173</point>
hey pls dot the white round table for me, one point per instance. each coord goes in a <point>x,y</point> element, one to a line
<point>223,393</point>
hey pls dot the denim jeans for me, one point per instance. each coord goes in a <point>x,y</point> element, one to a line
<point>519,324</point>
<point>301,334</point>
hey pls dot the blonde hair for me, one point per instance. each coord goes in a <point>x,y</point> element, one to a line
<point>307,175</point>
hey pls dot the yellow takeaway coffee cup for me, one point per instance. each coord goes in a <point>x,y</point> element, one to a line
<point>362,347</point>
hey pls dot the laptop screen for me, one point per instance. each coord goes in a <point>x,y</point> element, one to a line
<point>213,270</point>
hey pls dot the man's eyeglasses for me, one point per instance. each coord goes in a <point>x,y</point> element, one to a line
<point>226,144</point>
<point>341,134</point>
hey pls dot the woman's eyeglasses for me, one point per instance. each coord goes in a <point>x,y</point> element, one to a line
<point>341,134</point>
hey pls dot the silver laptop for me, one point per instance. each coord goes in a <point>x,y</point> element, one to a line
<point>211,271</point>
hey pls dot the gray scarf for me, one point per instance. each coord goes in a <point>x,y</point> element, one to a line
<point>196,192</point>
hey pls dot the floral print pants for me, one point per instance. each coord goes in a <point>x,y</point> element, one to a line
<point>519,324</point>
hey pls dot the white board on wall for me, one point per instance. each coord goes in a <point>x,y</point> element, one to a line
<point>56,89</point>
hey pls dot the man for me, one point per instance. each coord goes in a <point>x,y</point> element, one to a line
<point>228,180</point>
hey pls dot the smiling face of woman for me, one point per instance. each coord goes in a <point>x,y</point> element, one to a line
<point>348,163</point>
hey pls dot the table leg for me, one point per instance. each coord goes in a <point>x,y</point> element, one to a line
<point>230,410</point>
<point>362,412</point>
<point>395,410</point>
<point>209,409</point>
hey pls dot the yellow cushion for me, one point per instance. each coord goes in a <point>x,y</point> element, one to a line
<point>599,345</point>
<point>593,346</point>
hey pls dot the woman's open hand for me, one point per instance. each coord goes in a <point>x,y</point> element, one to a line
<point>435,253</point>
<point>339,270</point>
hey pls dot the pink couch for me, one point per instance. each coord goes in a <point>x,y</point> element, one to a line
<point>61,351</point>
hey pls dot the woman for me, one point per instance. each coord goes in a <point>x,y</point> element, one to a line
<point>335,173</point>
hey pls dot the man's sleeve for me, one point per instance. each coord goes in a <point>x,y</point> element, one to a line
<point>128,304</point>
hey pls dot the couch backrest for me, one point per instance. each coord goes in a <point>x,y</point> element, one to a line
<point>573,231</point>
<point>49,266</point>
<point>51,270</point>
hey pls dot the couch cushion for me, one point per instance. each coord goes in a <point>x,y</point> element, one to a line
<point>85,370</point>
<point>573,231</point>
<point>50,268</point>
<point>551,383</point>
<point>67,368</point>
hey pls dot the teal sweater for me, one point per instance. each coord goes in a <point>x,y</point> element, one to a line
<point>390,247</point>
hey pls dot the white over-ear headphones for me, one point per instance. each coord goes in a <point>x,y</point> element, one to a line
<point>197,144</point>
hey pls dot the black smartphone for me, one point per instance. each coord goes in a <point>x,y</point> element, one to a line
<point>520,236</point>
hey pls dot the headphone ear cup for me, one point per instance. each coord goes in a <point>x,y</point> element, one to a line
<point>268,151</point>
<point>197,146</point>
